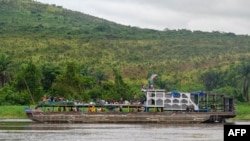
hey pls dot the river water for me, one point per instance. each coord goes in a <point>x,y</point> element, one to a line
<point>24,130</point>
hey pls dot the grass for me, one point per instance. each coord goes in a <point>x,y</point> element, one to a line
<point>243,111</point>
<point>9,112</point>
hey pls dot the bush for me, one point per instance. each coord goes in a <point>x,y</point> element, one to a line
<point>8,96</point>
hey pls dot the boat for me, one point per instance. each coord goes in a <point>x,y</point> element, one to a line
<point>157,106</point>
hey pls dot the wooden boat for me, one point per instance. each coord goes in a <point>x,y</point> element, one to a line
<point>158,106</point>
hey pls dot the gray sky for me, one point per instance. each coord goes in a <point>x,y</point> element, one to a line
<point>204,15</point>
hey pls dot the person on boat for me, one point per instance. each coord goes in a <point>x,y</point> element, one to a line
<point>142,109</point>
<point>143,88</point>
<point>60,99</point>
<point>121,100</point>
<point>89,109</point>
<point>135,109</point>
<point>187,109</point>
<point>56,99</point>
<point>52,99</point>
<point>77,109</point>
<point>191,108</point>
<point>99,109</point>
<point>135,97</point>
<point>93,109</point>
<point>120,108</point>
<point>103,109</point>
<point>143,99</point>
<point>44,98</point>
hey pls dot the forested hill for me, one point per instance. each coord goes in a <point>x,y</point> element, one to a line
<point>44,33</point>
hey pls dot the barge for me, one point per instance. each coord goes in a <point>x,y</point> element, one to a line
<point>158,106</point>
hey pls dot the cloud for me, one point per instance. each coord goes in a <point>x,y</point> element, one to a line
<point>212,15</point>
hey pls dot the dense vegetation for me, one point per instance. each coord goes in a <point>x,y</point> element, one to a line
<point>49,50</point>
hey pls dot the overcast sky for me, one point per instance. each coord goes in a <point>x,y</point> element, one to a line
<point>204,15</point>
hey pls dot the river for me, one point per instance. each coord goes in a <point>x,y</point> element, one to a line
<point>24,130</point>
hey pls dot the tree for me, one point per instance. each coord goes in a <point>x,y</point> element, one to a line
<point>100,76</point>
<point>66,83</point>
<point>71,83</point>
<point>4,64</point>
<point>120,87</point>
<point>49,74</point>
<point>29,79</point>
<point>211,79</point>
<point>164,84</point>
<point>244,71</point>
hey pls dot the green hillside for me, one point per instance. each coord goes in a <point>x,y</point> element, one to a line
<point>42,33</point>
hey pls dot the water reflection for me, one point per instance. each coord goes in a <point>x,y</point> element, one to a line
<point>30,131</point>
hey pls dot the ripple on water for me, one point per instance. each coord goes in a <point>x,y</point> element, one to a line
<point>30,131</point>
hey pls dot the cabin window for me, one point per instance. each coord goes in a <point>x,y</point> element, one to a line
<point>175,106</point>
<point>168,95</point>
<point>159,102</point>
<point>167,106</point>
<point>184,101</point>
<point>175,101</point>
<point>184,96</point>
<point>167,101</point>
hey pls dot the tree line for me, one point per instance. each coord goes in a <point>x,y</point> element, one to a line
<point>31,82</point>
<point>77,82</point>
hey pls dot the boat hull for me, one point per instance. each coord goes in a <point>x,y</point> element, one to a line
<point>119,117</point>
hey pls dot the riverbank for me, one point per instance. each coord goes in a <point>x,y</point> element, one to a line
<point>17,112</point>
<point>12,112</point>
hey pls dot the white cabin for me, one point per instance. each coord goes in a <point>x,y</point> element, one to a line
<point>170,100</point>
